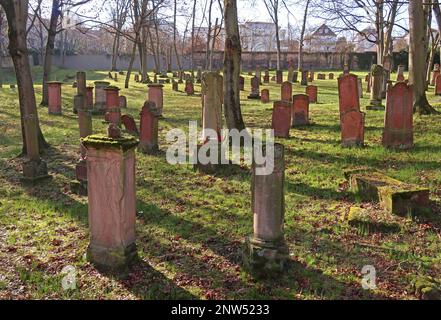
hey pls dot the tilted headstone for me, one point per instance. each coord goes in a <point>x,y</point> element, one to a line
<point>398,124</point>
<point>112,200</point>
<point>266,253</point>
<point>300,110</point>
<point>129,124</point>
<point>281,119</point>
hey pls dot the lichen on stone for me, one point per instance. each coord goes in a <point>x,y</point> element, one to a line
<point>101,141</point>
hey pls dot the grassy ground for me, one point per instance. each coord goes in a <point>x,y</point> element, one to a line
<point>191,226</point>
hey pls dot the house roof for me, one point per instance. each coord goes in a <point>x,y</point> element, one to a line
<point>319,31</point>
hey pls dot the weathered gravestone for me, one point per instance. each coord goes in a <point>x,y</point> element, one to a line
<point>241,83</point>
<point>377,74</point>
<point>129,124</point>
<point>304,80</point>
<point>286,91</point>
<point>281,119</point>
<point>122,102</point>
<point>100,96</point>
<point>435,73</point>
<point>266,253</point>
<point>331,76</point>
<point>112,200</point>
<point>394,196</point>
<point>148,131</point>
<point>265,97</point>
<point>351,119</point>
<point>311,91</point>
<point>175,86</point>
<point>54,102</point>
<point>89,98</point>
<point>212,93</point>
<point>266,77</point>
<point>438,86</point>
<point>113,111</point>
<point>156,95</point>
<point>279,76</point>
<point>398,123</point>
<point>311,76</point>
<point>360,87</point>
<point>255,88</point>
<point>300,110</point>
<point>189,87</point>
<point>400,73</point>
<point>295,76</point>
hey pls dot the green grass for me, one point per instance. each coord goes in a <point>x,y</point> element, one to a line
<point>191,226</point>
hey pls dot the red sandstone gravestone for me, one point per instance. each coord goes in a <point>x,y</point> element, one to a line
<point>54,103</point>
<point>286,91</point>
<point>264,97</point>
<point>352,128</point>
<point>122,102</point>
<point>311,91</point>
<point>398,123</point>
<point>189,87</point>
<point>438,86</point>
<point>156,95</point>
<point>89,97</point>
<point>281,120</point>
<point>348,93</point>
<point>300,110</point>
<point>149,128</point>
<point>279,76</point>
<point>100,96</point>
<point>113,111</point>
<point>112,200</point>
<point>435,74</point>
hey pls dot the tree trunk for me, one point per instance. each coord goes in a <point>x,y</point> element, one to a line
<point>52,32</point>
<point>417,51</point>
<point>192,36</point>
<point>232,61</point>
<point>301,42</point>
<point>178,60</point>
<point>132,60</point>
<point>17,14</point>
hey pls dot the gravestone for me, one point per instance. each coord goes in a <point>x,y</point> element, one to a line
<point>264,97</point>
<point>435,73</point>
<point>148,131</point>
<point>113,111</point>
<point>258,74</point>
<point>304,80</point>
<point>212,93</point>
<point>369,83</point>
<point>112,200</point>
<point>351,119</point>
<point>400,73</point>
<point>398,123</point>
<point>129,123</point>
<point>89,98</point>
<point>286,91</point>
<point>100,96</point>
<point>360,87</point>
<point>266,77</point>
<point>136,77</point>
<point>279,76</point>
<point>175,86</point>
<point>295,76</point>
<point>300,110</point>
<point>189,87</point>
<point>438,86</point>
<point>54,102</point>
<point>331,76</point>
<point>266,253</point>
<point>156,95</point>
<point>123,102</point>
<point>311,76</point>
<point>255,88</point>
<point>241,83</point>
<point>377,74</point>
<point>281,119</point>
<point>290,71</point>
<point>311,91</point>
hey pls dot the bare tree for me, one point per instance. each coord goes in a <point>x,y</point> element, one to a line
<point>272,6</point>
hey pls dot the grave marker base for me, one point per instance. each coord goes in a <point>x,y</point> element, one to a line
<point>116,260</point>
<point>34,171</point>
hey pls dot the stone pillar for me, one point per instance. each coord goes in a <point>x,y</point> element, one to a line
<point>89,97</point>
<point>112,200</point>
<point>113,111</point>
<point>148,134</point>
<point>85,127</point>
<point>281,119</point>
<point>266,253</point>
<point>258,74</point>
<point>400,73</point>
<point>377,74</point>
<point>54,103</point>
<point>255,88</point>
<point>156,95</point>
<point>311,91</point>
<point>100,96</point>
<point>264,96</point>
<point>387,66</point>
<point>212,94</point>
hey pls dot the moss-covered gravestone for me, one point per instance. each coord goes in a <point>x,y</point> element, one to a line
<point>112,199</point>
<point>266,252</point>
<point>396,197</point>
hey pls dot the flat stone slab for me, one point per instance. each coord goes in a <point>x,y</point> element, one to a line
<point>396,197</point>
<point>368,221</point>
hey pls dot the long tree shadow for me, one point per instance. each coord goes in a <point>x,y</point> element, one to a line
<point>318,193</point>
